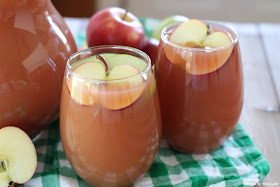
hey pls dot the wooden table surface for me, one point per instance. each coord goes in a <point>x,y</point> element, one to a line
<point>260,51</point>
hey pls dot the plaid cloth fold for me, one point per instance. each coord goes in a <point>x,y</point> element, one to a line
<point>237,163</point>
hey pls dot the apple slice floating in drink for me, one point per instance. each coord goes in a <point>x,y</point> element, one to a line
<point>204,62</point>
<point>82,91</point>
<point>189,33</point>
<point>167,21</point>
<point>125,59</point>
<point>217,39</point>
<point>113,95</point>
<point>93,59</point>
<point>18,159</point>
<point>122,94</point>
<point>194,34</point>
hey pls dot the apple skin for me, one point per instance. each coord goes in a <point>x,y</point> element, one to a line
<point>151,47</point>
<point>107,27</point>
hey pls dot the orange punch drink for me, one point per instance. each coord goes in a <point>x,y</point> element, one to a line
<point>200,81</point>
<point>110,121</point>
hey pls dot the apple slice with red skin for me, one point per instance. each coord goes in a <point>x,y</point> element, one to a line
<point>118,95</point>
<point>93,59</point>
<point>202,62</point>
<point>189,33</point>
<point>82,91</point>
<point>18,158</point>
<point>115,94</point>
<point>165,22</point>
<point>123,93</point>
<point>119,59</point>
<point>194,33</point>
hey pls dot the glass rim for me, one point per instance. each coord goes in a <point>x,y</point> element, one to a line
<point>234,40</point>
<point>118,47</point>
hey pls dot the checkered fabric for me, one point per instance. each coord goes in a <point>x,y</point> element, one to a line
<point>237,163</point>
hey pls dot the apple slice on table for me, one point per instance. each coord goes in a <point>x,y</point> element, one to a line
<point>113,95</point>
<point>4,179</point>
<point>194,33</point>
<point>18,159</point>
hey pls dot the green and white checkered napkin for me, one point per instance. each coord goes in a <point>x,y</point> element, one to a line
<point>237,163</point>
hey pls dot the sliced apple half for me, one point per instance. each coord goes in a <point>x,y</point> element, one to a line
<point>126,59</point>
<point>118,95</point>
<point>167,21</point>
<point>113,95</point>
<point>93,59</point>
<point>217,39</point>
<point>91,70</point>
<point>188,34</point>
<point>193,33</point>
<point>18,159</point>
<point>4,178</point>
<point>201,62</point>
<point>82,91</point>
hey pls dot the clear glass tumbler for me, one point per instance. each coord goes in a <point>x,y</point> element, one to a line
<point>110,129</point>
<point>200,91</point>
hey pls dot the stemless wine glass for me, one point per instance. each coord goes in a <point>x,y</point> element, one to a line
<point>200,91</point>
<point>110,129</point>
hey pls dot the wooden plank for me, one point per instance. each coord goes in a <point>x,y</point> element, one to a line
<point>263,127</point>
<point>270,35</point>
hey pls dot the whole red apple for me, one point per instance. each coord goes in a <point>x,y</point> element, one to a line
<point>115,26</point>
<point>151,47</point>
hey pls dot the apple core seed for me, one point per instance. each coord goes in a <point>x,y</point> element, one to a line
<point>4,164</point>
